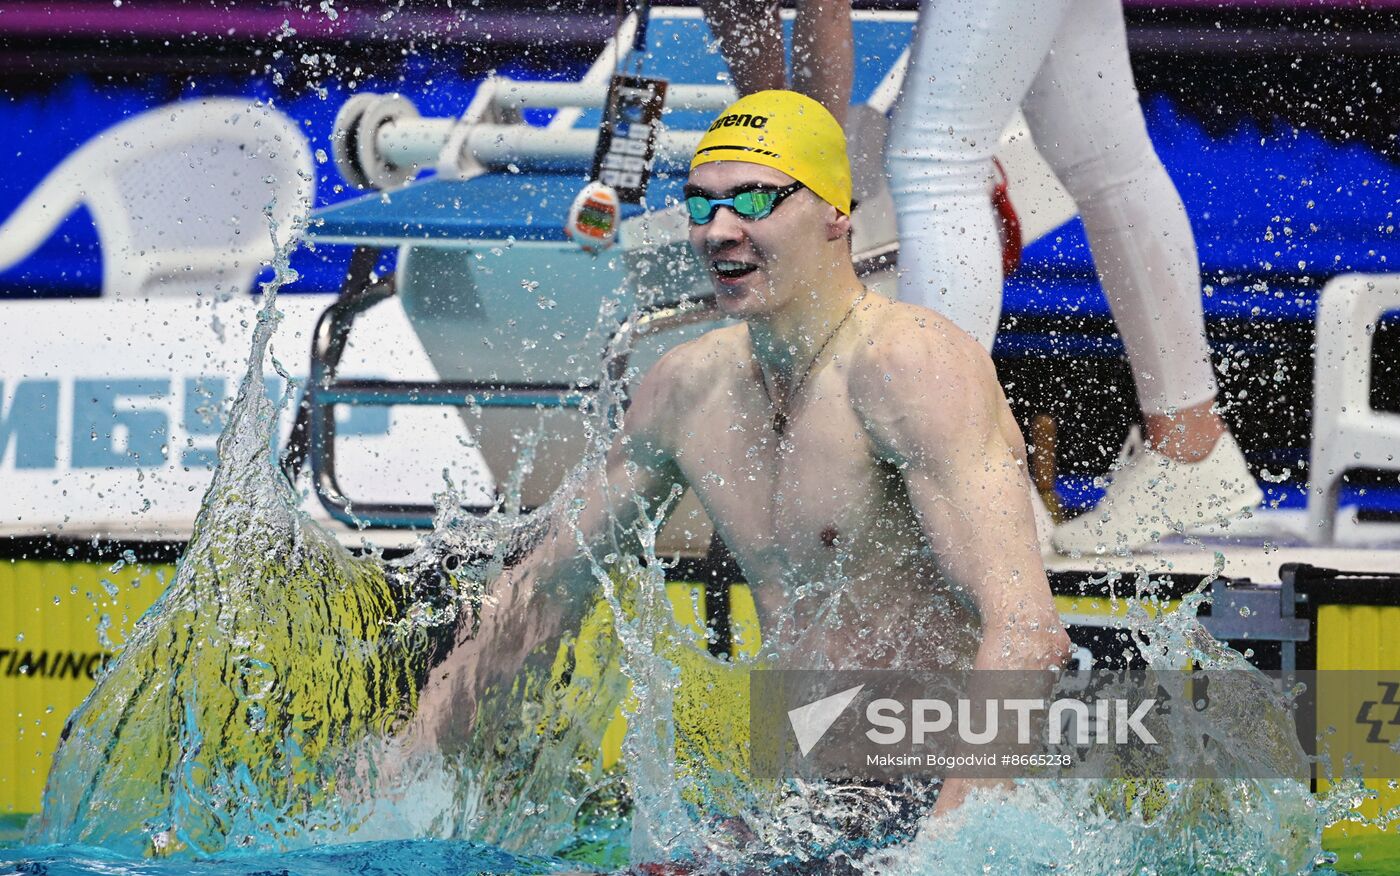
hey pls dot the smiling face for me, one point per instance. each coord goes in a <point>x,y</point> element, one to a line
<point>759,266</point>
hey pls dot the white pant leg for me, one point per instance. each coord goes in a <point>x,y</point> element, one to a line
<point>971,63</point>
<point>1085,118</point>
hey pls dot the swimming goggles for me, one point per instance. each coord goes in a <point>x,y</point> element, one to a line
<point>752,204</point>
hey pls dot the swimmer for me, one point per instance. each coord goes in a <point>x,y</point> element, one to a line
<point>856,454</point>
<point>1065,64</point>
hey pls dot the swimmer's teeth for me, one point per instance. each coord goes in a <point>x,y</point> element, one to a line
<point>732,269</point>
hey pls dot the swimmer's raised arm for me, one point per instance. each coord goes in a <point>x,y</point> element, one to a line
<point>750,37</point>
<point>931,402</point>
<point>823,53</point>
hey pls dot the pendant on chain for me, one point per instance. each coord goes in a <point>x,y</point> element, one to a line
<point>780,419</point>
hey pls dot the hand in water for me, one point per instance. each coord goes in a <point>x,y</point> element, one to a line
<point>448,572</point>
<point>445,582</point>
<point>472,549</point>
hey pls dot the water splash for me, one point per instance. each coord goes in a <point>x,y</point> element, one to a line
<point>212,726</point>
<point>254,705</point>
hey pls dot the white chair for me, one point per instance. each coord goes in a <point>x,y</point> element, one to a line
<point>1347,432</point>
<point>181,196</point>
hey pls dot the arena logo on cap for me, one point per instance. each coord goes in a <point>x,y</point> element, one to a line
<point>739,120</point>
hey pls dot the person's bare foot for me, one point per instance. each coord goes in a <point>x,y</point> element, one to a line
<point>1189,435</point>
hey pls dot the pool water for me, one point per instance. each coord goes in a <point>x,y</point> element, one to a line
<point>1365,856</point>
<point>385,858</point>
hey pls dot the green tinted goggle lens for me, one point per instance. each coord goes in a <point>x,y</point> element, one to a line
<point>750,205</point>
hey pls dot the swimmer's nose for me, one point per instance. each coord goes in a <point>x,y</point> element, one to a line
<point>723,232</point>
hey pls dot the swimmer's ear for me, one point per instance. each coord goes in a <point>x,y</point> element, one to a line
<point>838,227</point>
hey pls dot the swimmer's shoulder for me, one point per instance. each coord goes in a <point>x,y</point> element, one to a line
<point>690,373</point>
<point>906,339</point>
<point>695,365</point>
<point>910,355</point>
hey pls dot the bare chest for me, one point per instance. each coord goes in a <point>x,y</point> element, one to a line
<point>795,503</point>
<point>823,529</point>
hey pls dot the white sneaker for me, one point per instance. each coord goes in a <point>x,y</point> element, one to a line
<point>1151,496</point>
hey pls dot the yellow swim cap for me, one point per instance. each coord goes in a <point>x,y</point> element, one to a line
<point>786,131</point>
